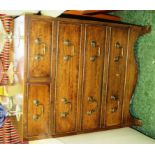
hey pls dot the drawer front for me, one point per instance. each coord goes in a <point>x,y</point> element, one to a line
<point>116,76</point>
<point>93,70</point>
<point>38,110</point>
<point>67,77</point>
<point>40,40</point>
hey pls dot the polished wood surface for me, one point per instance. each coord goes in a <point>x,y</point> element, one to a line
<point>92,14</point>
<point>67,72</point>
<point>116,75</point>
<point>40,37</point>
<point>92,76</point>
<point>38,110</point>
<point>131,75</point>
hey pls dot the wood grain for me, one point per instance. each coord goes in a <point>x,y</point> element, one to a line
<point>40,126</point>
<point>116,76</point>
<point>41,29</point>
<point>67,76</point>
<point>92,80</point>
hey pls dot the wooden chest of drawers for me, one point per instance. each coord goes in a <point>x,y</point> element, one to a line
<point>78,75</point>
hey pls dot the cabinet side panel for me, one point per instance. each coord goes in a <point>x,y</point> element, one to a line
<point>17,89</point>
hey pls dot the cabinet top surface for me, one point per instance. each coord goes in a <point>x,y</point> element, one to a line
<point>74,20</point>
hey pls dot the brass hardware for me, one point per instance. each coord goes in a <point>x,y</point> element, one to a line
<point>38,57</point>
<point>64,114</point>
<point>113,97</point>
<point>35,117</point>
<point>118,45</point>
<point>42,110</point>
<point>67,57</point>
<point>92,58</point>
<point>117,75</point>
<point>36,102</point>
<point>117,58</point>
<point>114,109</point>
<point>89,113</point>
<point>93,43</point>
<point>65,101</point>
<point>38,41</point>
<point>67,42</point>
<point>91,99</point>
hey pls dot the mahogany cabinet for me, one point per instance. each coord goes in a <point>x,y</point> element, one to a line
<point>77,75</point>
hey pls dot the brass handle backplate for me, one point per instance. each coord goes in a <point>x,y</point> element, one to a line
<point>114,97</point>
<point>114,109</point>
<point>64,114</point>
<point>67,57</point>
<point>38,57</point>
<point>35,117</point>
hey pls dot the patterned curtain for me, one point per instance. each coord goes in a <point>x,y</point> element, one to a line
<point>8,134</point>
<point>7,22</point>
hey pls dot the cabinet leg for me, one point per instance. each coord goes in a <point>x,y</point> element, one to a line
<point>135,122</point>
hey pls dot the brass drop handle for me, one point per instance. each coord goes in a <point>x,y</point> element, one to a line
<point>92,100</point>
<point>73,53</point>
<point>114,109</point>
<point>67,57</point>
<point>35,117</point>
<point>94,45</point>
<point>117,58</point>
<point>118,45</point>
<point>66,113</point>
<point>89,113</point>
<point>92,58</point>
<point>115,98</point>
<point>37,104</point>
<point>67,42</point>
<point>38,56</point>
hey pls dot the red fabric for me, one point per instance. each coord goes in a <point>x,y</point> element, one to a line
<point>8,134</point>
<point>7,22</point>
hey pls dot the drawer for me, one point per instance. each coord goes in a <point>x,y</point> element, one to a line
<point>116,76</point>
<point>38,110</point>
<point>39,41</point>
